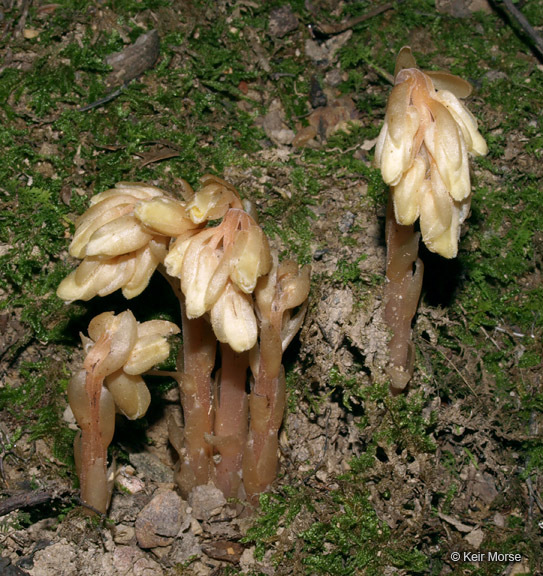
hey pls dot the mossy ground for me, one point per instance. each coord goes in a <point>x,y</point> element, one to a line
<point>464,446</point>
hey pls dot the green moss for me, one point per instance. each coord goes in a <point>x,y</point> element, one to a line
<point>275,509</point>
<point>37,403</point>
<point>347,272</point>
<point>348,537</point>
<point>291,217</point>
<point>349,541</point>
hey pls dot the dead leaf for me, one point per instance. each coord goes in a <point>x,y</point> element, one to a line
<point>152,156</point>
<point>460,526</point>
<point>134,59</point>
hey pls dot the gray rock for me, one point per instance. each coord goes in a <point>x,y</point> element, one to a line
<point>184,548</point>
<point>282,21</point>
<point>131,561</point>
<point>206,501</point>
<point>151,468</point>
<point>160,521</point>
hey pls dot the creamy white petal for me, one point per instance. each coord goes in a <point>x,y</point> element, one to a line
<point>157,327</point>
<point>407,194</point>
<point>199,265</point>
<point>145,263</point>
<point>467,123</point>
<point>436,210</point>
<point>165,216</point>
<point>446,244</point>
<point>233,319</point>
<point>251,258</point>
<point>130,394</point>
<point>93,220</point>
<point>148,351</point>
<point>120,236</point>
<point>446,145</point>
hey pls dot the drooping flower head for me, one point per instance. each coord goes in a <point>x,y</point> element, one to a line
<point>423,149</point>
<point>122,238</point>
<point>219,268</point>
<point>130,348</point>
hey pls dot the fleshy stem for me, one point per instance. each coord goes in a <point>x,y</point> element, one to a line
<point>199,348</point>
<point>404,272</point>
<point>231,414</point>
<point>266,406</point>
<point>93,455</point>
<point>195,366</point>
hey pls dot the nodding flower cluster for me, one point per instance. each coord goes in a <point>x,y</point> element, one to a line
<point>422,152</point>
<point>240,308</point>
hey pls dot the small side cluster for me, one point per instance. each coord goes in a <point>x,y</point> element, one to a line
<point>118,350</point>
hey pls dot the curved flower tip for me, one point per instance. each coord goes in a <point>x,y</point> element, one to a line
<point>120,349</point>
<point>213,200</point>
<point>151,347</point>
<point>130,393</point>
<point>165,216</point>
<point>404,60</point>
<point>120,331</point>
<point>465,121</point>
<point>233,319</point>
<point>293,284</point>
<point>251,258</point>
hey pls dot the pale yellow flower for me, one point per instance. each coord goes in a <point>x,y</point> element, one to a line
<point>236,251</point>
<point>423,149</point>
<point>213,200</point>
<point>131,349</point>
<point>122,238</point>
<point>233,319</point>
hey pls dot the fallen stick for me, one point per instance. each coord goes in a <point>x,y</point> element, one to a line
<point>515,14</point>
<point>29,499</point>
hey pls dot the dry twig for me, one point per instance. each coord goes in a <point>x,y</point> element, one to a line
<point>518,17</point>
<point>29,499</point>
<point>328,28</point>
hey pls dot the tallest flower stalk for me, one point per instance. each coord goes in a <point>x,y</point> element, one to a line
<point>422,152</point>
<point>423,149</point>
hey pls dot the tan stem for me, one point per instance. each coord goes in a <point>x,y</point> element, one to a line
<point>194,367</point>
<point>266,407</point>
<point>404,274</point>
<point>199,347</point>
<point>231,427</point>
<point>93,455</point>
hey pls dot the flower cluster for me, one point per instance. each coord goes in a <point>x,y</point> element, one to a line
<point>117,249</point>
<point>117,351</point>
<point>219,268</point>
<point>225,275</point>
<point>422,152</point>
